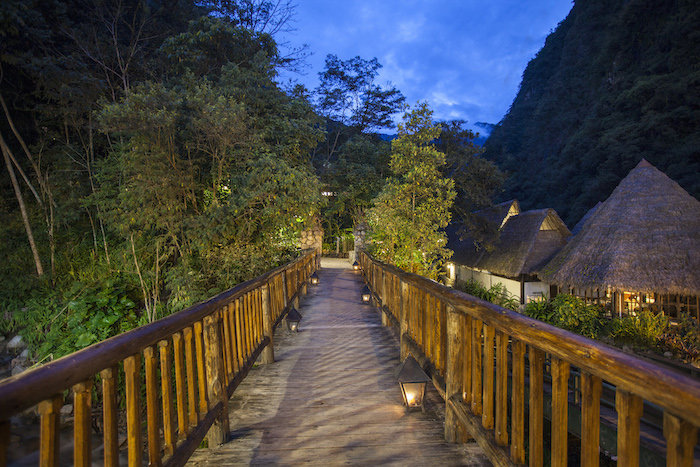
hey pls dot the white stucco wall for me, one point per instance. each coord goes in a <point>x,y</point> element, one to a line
<point>533,290</point>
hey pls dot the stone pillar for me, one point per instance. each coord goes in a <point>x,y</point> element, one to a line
<point>360,234</point>
<point>312,239</point>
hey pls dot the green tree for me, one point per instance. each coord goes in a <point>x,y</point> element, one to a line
<point>350,99</point>
<point>414,206</point>
<point>357,176</point>
<point>477,180</point>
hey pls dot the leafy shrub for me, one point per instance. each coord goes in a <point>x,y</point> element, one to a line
<point>684,339</point>
<point>54,324</point>
<point>573,314</point>
<point>644,330</point>
<point>540,309</point>
<point>570,313</point>
<point>472,287</point>
<point>497,294</point>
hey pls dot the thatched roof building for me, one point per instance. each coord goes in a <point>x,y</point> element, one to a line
<point>527,241</point>
<point>584,219</point>
<point>465,252</point>
<point>644,238</point>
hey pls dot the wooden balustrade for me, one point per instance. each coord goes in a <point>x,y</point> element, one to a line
<point>178,374</point>
<point>489,363</point>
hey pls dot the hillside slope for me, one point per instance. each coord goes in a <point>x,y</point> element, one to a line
<point>617,81</point>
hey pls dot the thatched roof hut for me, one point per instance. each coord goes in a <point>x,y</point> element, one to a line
<point>526,242</point>
<point>584,219</point>
<point>464,248</point>
<point>644,238</point>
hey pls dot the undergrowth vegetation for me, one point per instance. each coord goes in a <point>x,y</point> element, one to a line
<point>642,331</point>
<point>497,294</point>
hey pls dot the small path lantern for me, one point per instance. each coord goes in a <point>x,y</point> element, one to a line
<point>366,294</point>
<point>355,266</point>
<point>314,278</point>
<point>293,318</point>
<point>412,380</point>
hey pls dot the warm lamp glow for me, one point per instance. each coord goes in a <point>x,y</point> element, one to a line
<point>366,294</point>
<point>314,279</point>
<point>410,399</point>
<point>412,381</point>
<point>356,266</point>
<point>293,319</point>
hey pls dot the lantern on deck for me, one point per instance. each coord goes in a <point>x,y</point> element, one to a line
<point>355,266</point>
<point>293,318</point>
<point>412,380</point>
<point>314,279</point>
<point>366,294</point>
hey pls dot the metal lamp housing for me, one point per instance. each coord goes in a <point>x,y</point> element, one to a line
<point>293,319</point>
<point>356,266</point>
<point>314,279</point>
<point>366,294</point>
<point>412,380</point>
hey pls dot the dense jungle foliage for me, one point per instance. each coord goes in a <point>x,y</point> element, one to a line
<point>616,82</point>
<point>152,158</point>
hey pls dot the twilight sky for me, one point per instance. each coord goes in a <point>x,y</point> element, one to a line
<point>465,57</point>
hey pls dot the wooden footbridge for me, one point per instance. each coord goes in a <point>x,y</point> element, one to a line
<point>226,371</point>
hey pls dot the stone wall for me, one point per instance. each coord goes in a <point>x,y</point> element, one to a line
<point>360,234</point>
<point>312,239</point>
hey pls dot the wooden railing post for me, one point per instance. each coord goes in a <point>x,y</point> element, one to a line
<point>152,424</point>
<point>517,447</point>
<point>385,300</point>
<point>268,354</point>
<point>110,416</point>
<point>191,370</point>
<point>477,367</point>
<point>591,388</point>
<point>82,424</point>
<point>180,386</point>
<point>403,323</point>
<point>501,410</point>
<point>536,406</point>
<point>560,412</point>
<point>132,372</point>
<point>454,431</point>
<point>681,437</point>
<point>285,296</point>
<point>167,402</point>
<point>487,416</point>
<point>295,289</point>
<point>50,436</point>
<point>629,411</point>
<point>218,433</point>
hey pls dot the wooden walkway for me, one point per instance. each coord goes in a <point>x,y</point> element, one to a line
<point>330,398</point>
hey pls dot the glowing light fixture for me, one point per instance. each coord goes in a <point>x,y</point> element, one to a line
<point>293,318</point>
<point>412,380</point>
<point>356,266</point>
<point>314,278</point>
<point>366,294</point>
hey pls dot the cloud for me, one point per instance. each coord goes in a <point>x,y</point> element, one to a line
<point>466,58</point>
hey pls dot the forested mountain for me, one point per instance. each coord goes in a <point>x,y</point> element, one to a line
<point>617,81</point>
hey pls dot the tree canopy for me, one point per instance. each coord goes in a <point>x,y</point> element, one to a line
<point>414,205</point>
<point>615,82</point>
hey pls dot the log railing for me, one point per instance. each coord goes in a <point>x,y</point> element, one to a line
<point>476,354</point>
<point>178,375</point>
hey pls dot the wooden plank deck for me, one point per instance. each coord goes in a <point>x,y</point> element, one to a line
<point>330,398</point>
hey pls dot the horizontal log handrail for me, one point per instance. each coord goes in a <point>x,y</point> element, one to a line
<point>463,341</point>
<point>214,345</point>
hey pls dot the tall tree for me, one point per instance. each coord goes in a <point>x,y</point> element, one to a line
<point>350,98</point>
<point>414,206</point>
<point>477,181</point>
